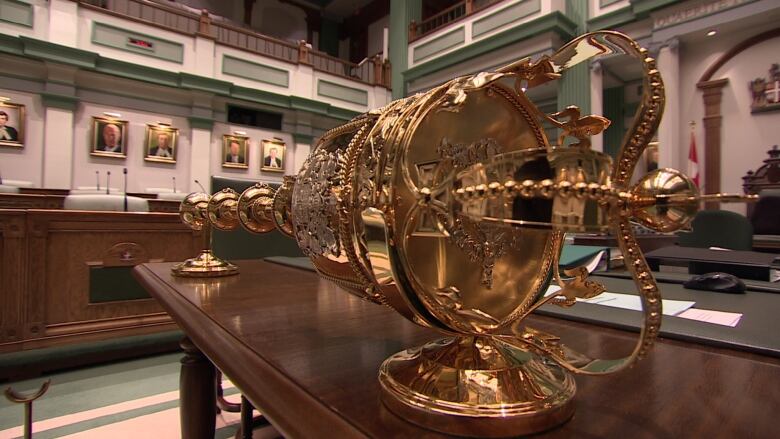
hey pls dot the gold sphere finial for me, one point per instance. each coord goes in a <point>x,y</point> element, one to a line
<point>665,200</point>
<point>222,209</point>
<point>255,208</point>
<point>193,210</point>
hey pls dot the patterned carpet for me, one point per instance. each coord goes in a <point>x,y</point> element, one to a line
<point>131,399</point>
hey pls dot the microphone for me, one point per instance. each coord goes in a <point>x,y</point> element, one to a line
<point>108,181</point>
<point>174,184</point>
<point>97,178</point>
<point>201,186</point>
<point>124,171</point>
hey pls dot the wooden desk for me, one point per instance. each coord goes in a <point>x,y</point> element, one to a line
<point>63,273</point>
<point>743,264</point>
<point>307,355</point>
<point>41,200</point>
<point>647,242</point>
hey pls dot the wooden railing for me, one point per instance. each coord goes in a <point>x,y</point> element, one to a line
<point>454,13</point>
<point>372,71</point>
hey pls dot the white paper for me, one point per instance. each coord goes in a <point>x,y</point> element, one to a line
<point>629,301</point>
<point>594,263</point>
<point>710,316</point>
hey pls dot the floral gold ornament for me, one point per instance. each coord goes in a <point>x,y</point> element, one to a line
<point>450,207</point>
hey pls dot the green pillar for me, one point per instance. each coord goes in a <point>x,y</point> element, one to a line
<point>402,12</point>
<point>614,103</point>
<point>574,86</point>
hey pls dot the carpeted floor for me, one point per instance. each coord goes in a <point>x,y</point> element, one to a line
<point>131,399</point>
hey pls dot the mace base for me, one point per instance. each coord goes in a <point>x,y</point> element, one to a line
<point>204,265</point>
<point>477,386</point>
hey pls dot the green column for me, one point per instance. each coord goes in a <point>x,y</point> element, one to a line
<point>574,86</point>
<point>614,110</point>
<point>402,12</point>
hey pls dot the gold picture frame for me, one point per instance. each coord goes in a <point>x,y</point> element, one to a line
<point>156,135</point>
<point>273,160</point>
<point>235,158</point>
<point>108,141</point>
<point>12,120</point>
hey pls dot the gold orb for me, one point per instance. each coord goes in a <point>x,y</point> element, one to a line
<point>192,210</point>
<point>665,200</point>
<point>255,208</point>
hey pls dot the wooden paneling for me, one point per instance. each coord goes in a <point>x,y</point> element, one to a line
<point>12,279</point>
<point>47,256</point>
<point>31,201</point>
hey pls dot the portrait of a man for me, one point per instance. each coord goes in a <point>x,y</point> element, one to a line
<point>11,124</point>
<point>109,137</point>
<point>161,143</point>
<point>236,151</point>
<point>273,155</point>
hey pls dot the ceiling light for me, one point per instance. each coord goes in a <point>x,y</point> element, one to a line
<point>712,32</point>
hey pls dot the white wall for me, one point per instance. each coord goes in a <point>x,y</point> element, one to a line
<point>745,137</point>
<point>256,135</point>
<point>141,174</point>
<point>25,164</point>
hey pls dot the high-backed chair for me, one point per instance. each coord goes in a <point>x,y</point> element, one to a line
<point>766,213</point>
<point>240,244</point>
<point>719,228</point>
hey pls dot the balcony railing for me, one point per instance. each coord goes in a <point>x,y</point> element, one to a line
<point>373,71</point>
<point>454,13</point>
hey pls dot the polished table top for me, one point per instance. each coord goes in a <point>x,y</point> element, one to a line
<point>307,355</point>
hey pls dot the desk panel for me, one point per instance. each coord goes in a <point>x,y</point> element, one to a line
<point>47,260</point>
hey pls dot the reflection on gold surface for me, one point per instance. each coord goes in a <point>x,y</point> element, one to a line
<point>450,207</point>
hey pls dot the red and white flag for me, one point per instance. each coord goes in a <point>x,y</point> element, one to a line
<point>693,161</point>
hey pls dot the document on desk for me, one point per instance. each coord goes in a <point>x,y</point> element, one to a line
<point>630,301</point>
<point>711,316</point>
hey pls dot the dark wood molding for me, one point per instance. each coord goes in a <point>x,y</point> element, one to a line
<point>713,124</point>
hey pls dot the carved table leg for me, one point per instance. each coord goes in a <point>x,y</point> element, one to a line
<point>197,394</point>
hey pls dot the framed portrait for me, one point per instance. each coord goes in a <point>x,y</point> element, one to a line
<point>235,151</point>
<point>11,124</point>
<point>161,143</point>
<point>273,155</point>
<point>109,137</point>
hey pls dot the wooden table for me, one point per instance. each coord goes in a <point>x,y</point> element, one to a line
<point>307,355</point>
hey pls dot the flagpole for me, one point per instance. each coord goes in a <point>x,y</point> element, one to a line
<point>693,156</point>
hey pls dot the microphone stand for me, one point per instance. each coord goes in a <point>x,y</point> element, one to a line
<point>174,184</point>
<point>124,171</point>
<point>201,186</point>
<point>108,181</point>
<point>97,178</point>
